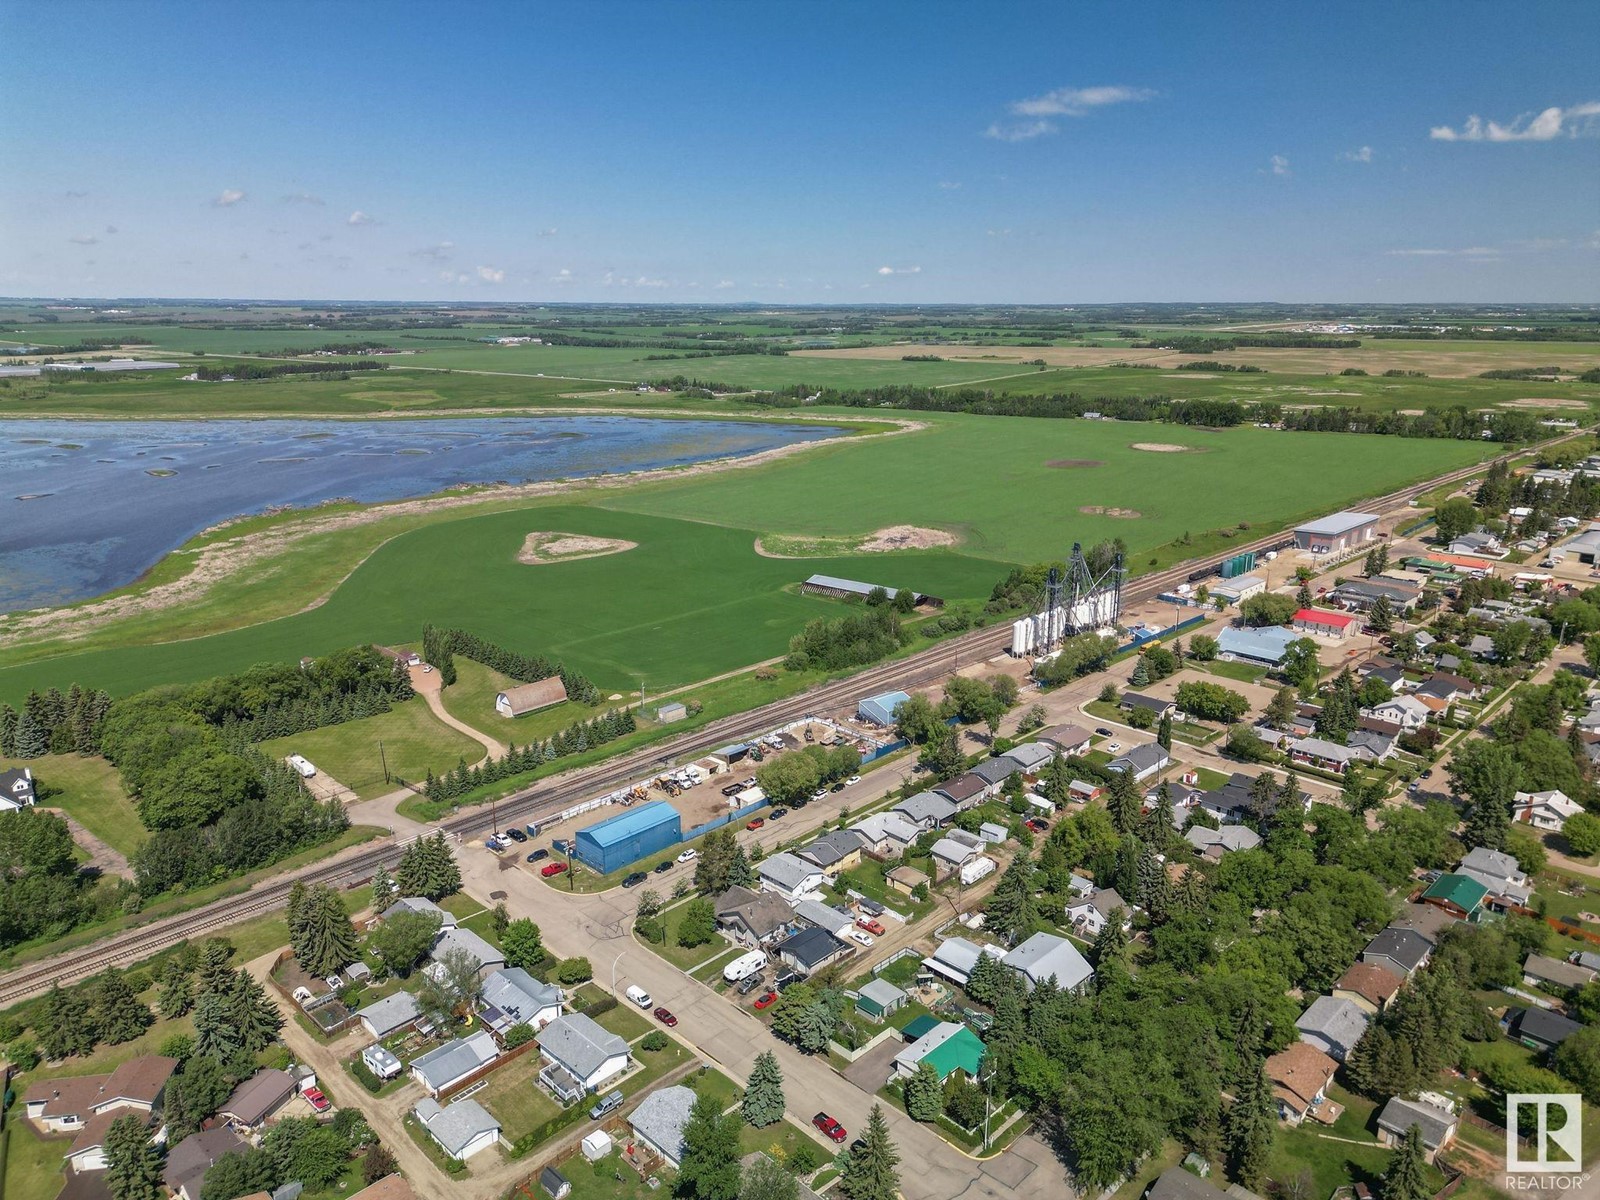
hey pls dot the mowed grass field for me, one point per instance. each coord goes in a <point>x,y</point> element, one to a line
<point>695,599</point>
<point>412,740</point>
<point>91,791</point>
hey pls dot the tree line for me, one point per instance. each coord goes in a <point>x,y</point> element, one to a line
<point>51,722</point>
<point>851,640</point>
<point>439,647</point>
<point>574,739</point>
<point>208,373</point>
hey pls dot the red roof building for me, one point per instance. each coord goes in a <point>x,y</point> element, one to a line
<point>1326,624</point>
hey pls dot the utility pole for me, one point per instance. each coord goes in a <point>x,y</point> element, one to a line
<point>385,761</point>
<point>614,963</point>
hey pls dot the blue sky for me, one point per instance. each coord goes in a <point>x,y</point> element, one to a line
<point>885,153</point>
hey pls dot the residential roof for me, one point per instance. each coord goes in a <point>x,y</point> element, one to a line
<point>890,824</point>
<point>580,1044</point>
<point>1322,748</point>
<point>1340,1022</point>
<point>1030,755</point>
<point>1494,863</point>
<point>1145,757</point>
<point>618,829</point>
<point>420,904</point>
<point>137,1081</point>
<point>926,806</point>
<point>1104,901</point>
<point>948,1046</point>
<point>1065,735</point>
<point>962,787</point>
<point>454,1126</point>
<point>1369,981</point>
<point>390,1187</point>
<point>1045,955</point>
<point>952,851</point>
<point>810,947</point>
<point>832,847</point>
<point>960,955</point>
<point>542,693</point>
<point>1229,837</point>
<point>786,871</point>
<point>1556,970</point>
<point>1155,704</point>
<point>1336,523</point>
<point>394,1011</point>
<point>1542,1025</point>
<point>1299,1072</point>
<point>763,913</point>
<point>456,1059</point>
<point>1320,616</point>
<point>465,939</point>
<point>1402,945</point>
<point>190,1159</point>
<point>995,770</point>
<point>1175,1183</point>
<point>519,996</point>
<point>823,916</point>
<point>881,992</point>
<point>1433,1124</point>
<point>661,1116</point>
<point>258,1097</point>
<point>1462,891</point>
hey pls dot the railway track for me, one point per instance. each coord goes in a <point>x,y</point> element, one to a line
<point>551,796</point>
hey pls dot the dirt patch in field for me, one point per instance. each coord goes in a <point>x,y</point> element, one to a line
<point>546,547</point>
<point>1544,402</point>
<point>1068,464</point>
<point>893,537</point>
<point>1100,510</point>
<point>1413,412</point>
<point>1164,448</point>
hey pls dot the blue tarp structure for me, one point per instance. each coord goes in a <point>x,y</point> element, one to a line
<point>879,709</point>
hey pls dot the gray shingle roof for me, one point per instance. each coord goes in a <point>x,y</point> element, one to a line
<point>1229,837</point>
<point>1044,955</point>
<point>660,1119</point>
<point>995,770</point>
<point>518,995</point>
<point>810,947</point>
<point>1434,1124</point>
<point>465,939</point>
<point>1407,947</point>
<point>1140,759</point>
<point>454,1126</point>
<point>579,1043</point>
<point>393,1012</point>
<point>1339,1024</point>
<point>926,806</point>
<point>785,870</point>
<point>443,1065</point>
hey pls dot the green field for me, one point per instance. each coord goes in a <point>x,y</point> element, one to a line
<point>413,742</point>
<point>91,791</point>
<point>695,599</point>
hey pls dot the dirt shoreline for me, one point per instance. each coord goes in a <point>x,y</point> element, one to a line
<point>220,560</point>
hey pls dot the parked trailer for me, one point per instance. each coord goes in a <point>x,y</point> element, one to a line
<point>302,766</point>
<point>975,870</point>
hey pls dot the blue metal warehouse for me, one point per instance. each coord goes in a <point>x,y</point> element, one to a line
<point>628,837</point>
<point>879,709</point>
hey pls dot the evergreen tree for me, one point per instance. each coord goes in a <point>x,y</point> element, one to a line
<point>870,1171</point>
<point>176,994</point>
<point>1011,912</point>
<point>923,1097</point>
<point>1281,709</point>
<point>1123,803</point>
<point>764,1179</point>
<point>384,890</point>
<point>1111,941</point>
<point>983,981</point>
<point>64,1025</point>
<point>1381,617</point>
<point>8,731</point>
<point>1248,1127</point>
<point>255,1017</point>
<point>763,1093</point>
<point>215,1035</point>
<point>216,966</point>
<point>119,1015</point>
<point>328,941</point>
<point>133,1165</point>
<point>29,740</point>
<point>710,1166</point>
<point>1406,1176</point>
<point>1302,597</point>
<point>1164,731</point>
<point>1141,673</point>
<point>1056,781</point>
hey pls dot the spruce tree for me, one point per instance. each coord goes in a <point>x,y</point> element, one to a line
<point>1248,1127</point>
<point>710,1165</point>
<point>1406,1176</point>
<point>119,1015</point>
<point>923,1097</point>
<point>763,1094</point>
<point>327,940</point>
<point>384,890</point>
<point>29,740</point>
<point>215,1035</point>
<point>64,1026</point>
<point>1123,802</point>
<point>133,1165</point>
<point>870,1171</point>
<point>255,1017</point>
<point>216,967</point>
<point>176,994</point>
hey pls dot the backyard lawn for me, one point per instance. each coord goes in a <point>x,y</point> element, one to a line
<point>90,791</point>
<point>626,1021</point>
<point>33,1164</point>
<point>517,1100</point>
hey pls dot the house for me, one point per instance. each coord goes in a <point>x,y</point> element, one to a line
<point>1066,739</point>
<point>1300,1074</point>
<point>390,1187</point>
<point>994,772</point>
<point>878,710</point>
<point>1555,973</point>
<point>1214,843</point>
<point>258,1099</point>
<point>1238,589</point>
<point>1030,757</point>
<point>1436,1126</point>
<point>906,880</point>
<point>421,904</point>
<point>1539,1028</point>
<point>512,997</point>
<point>955,957</point>
<point>394,1012</point>
<point>964,791</point>
<point>1337,533</point>
<point>1151,704</point>
<point>1264,647</point>
<point>949,855</point>
<point>1179,1183</point>
<point>878,998</point>
<point>1332,1026</point>
<point>1407,712</point>
<point>17,789</point>
<point>752,918</point>
<point>1398,949</point>
<point>948,1047</point>
<point>1544,810</point>
<point>791,877</point>
<point>1368,745</point>
<point>1452,689</point>
<point>1364,594</point>
<point>927,810</point>
<point>1231,802</point>
<point>1368,986</point>
<point>1092,913</point>
<point>1459,895</point>
<point>1144,761</point>
<point>525,698</point>
<point>823,916</point>
<point>65,1105</point>
<point>810,950</point>
<point>380,1062</point>
<point>579,1056</point>
<point>190,1159</point>
<point>1322,755</point>
<point>462,1128</point>
<point>1387,672</point>
<point>1319,622</point>
<point>659,1120</point>
<point>1046,956</point>
<point>443,1067</point>
<point>1084,793</point>
<point>886,833</point>
<point>1500,874</point>
<point>485,955</point>
<point>1481,647</point>
<point>838,850</point>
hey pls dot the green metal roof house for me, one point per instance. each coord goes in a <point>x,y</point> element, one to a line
<point>948,1047</point>
<point>1458,894</point>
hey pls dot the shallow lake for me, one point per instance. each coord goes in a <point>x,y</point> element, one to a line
<point>91,505</point>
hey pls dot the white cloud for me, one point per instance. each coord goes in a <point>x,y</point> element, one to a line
<point>84,239</point>
<point>998,233</point>
<point>1594,241</point>
<point>1062,102</point>
<point>949,185</point>
<point>228,198</point>
<point>360,218</point>
<point>303,198</point>
<point>899,270</point>
<point>1478,252</point>
<point>438,253</point>
<point>75,195</point>
<point>551,232</point>
<point>1363,155</point>
<point>1553,122</point>
<point>491,274</point>
<point>724,283</point>
<point>562,276</point>
<point>110,229</point>
<point>449,276</point>
<point>1280,165</point>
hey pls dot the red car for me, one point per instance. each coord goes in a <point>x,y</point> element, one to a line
<point>1038,826</point>
<point>830,1128</point>
<point>554,868</point>
<point>871,926</point>
<point>765,999</point>
<point>666,1018</point>
<point>757,823</point>
<point>316,1099</point>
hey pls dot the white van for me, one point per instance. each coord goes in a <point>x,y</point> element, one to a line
<point>745,966</point>
<point>638,995</point>
<point>302,765</point>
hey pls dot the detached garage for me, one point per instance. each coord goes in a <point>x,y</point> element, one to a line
<point>628,837</point>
